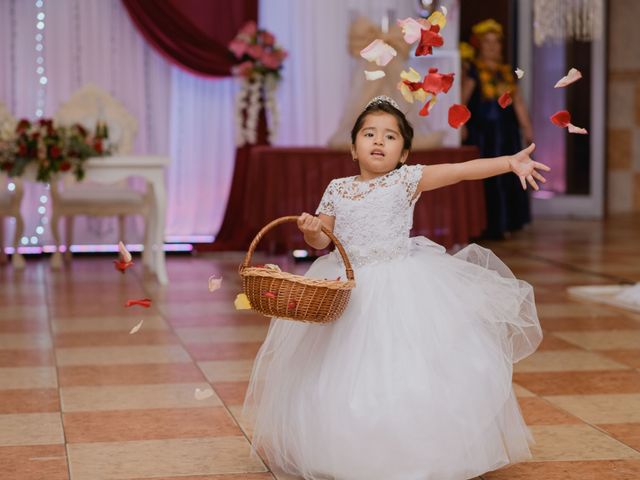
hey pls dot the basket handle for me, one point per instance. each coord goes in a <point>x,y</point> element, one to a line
<point>293,218</point>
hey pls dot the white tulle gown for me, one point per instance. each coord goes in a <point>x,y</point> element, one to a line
<point>413,381</point>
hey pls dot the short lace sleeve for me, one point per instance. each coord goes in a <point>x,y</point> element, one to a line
<point>327,203</point>
<point>411,176</point>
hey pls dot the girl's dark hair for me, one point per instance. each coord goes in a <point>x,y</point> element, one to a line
<point>406,130</point>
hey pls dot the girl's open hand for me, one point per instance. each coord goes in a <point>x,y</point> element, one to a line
<point>527,169</point>
<point>309,224</point>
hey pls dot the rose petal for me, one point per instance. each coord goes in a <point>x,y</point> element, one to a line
<point>142,302</point>
<point>122,266</point>
<point>124,253</point>
<point>426,110</point>
<point>437,18</point>
<point>573,76</point>
<point>374,75</point>
<point>136,328</point>
<point>436,83</point>
<point>420,95</point>
<point>458,115</point>
<point>429,39</point>
<point>202,394</point>
<point>519,73</point>
<point>379,52</point>
<point>573,129</point>
<point>272,266</point>
<point>214,283</point>
<point>505,99</point>
<point>269,295</point>
<point>444,10</point>
<point>562,118</point>
<point>410,76</point>
<point>410,29</point>
<point>405,91</point>
<point>242,302</point>
<point>292,304</point>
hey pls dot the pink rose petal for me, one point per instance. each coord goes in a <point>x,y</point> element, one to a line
<point>573,76</point>
<point>410,29</point>
<point>379,52</point>
<point>374,75</point>
<point>573,129</point>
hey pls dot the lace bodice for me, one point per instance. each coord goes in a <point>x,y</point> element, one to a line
<point>373,218</point>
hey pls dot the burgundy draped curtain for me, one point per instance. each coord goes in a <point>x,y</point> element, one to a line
<point>193,34</point>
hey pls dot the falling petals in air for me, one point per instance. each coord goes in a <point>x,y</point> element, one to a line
<point>379,52</point>
<point>444,10</point>
<point>573,76</point>
<point>458,115</point>
<point>562,118</point>
<point>374,75</point>
<point>242,302</point>
<point>136,328</point>
<point>436,83</point>
<point>124,253</point>
<point>519,73</point>
<point>505,99</point>
<point>573,129</point>
<point>201,394</point>
<point>121,265</point>
<point>428,39</point>
<point>143,302</point>
<point>214,283</point>
<point>438,18</point>
<point>411,29</point>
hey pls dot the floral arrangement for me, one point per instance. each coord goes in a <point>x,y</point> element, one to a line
<point>260,60</point>
<point>52,149</point>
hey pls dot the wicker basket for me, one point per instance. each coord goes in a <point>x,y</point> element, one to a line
<point>295,297</point>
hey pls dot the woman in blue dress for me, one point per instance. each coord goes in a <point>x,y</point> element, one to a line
<point>495,130</point>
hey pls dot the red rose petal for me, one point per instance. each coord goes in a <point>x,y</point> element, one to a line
<point>292,304</point>
<point>436,83</point>
<point>505,99</point>
<point>269,294</point>
<point>561,118</point>
<point>429,39</point>
<point>458,115</point>
<point>121,265</point>
<point>143,302</point>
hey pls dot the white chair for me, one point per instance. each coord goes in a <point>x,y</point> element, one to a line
<point>70,198</point>
<point>10,201</point>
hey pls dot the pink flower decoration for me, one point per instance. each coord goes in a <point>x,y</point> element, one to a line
<point>243,70</point>
<point>250,28</point>
<point>270,60</point>
<point>255,51</point>
<point>238,47</point>
<point>266,38</point>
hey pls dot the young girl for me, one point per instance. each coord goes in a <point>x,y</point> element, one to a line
<point>413,381</point>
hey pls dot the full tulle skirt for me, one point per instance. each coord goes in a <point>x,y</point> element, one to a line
<point>412,382</point>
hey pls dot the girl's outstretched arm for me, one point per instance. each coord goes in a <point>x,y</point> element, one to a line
<point>436,176</point>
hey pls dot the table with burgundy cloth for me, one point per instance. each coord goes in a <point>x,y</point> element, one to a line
<point>272,182</point>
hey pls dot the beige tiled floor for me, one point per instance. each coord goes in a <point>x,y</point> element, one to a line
<point>81,398</point>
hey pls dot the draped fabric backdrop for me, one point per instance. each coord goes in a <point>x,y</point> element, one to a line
<point>188,116</point>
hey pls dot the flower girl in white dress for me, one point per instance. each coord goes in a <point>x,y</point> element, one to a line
<point>413,381</point>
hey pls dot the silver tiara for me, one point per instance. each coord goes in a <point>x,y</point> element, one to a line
<point>382,99</point>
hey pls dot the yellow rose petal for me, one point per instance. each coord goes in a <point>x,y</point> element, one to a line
<point>406,93</point>
<point>420,95</point>
<point>437,18</point>
<point>410,76</point>
<point>242,302</point>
